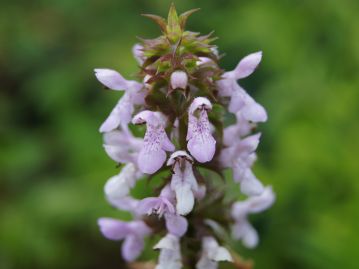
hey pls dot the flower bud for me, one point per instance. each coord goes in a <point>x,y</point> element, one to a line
<point>179,79</point>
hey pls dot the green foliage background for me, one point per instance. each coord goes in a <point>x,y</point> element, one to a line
<point>53,168</point>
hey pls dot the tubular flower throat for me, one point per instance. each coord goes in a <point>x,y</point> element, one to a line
<point>181,99</point>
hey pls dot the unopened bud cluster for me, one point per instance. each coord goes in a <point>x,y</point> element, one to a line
<point>182,100</point>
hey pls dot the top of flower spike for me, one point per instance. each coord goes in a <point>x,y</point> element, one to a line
<point>175,40</point>
<point>174,26</point>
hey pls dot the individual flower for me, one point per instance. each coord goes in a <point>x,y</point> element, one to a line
<point>240,99</point>
<point>240,157</point>
<point>183,182</point>
<point>179,79</point>
<point>242,229</point>
<point>134,95</point>
<point>132,233</point>
<point>212,253</point>
<point>152,155</point>
<point>121,146</point>
<point>164,206</point>
<point>201,143</point>
<point>170,253</point>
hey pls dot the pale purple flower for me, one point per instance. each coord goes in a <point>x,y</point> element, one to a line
<point>152,155</point>
<point>240,99</point>
<point>121,146</point>
<point>183,182</point>
<point>179,79</point>
<point>201,143</point>
<point>132,233</point>
<point>137,51</point>
<point>134,95</point>
<point>240,157</point>
<point>164,206</point>
<point>242,229</point>
<point>118,187</point>
<point>212,253</point>
<point>170,253</point>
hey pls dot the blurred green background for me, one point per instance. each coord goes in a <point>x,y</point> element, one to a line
<point>53,167</point>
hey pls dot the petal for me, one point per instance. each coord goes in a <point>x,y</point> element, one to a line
<point>189,177</point>
<point>170,242</point>
<point>230,134</point>
<point>238,98</point>
<point>244,231</point>
<point>250,238</point>
<point>147,205</point>
<point>116,187</point>
<point>199,102</point>
<point>240,210</point>
<point>126,109</point>
<point>179,79</point>
<point>119,154</point>
<point>125,203</point>
<point>147,116</point>
<point>132,247</point>
<point>149,161</point>
<point>168,194</point>
<point>170,255</point>
<point>204,60</point>
<point>205,263</point>
<point>262,202</point>
<point>150,204</point>
<point>185,198</point>
<point>137,51</point>
<point>250,143</point>
<point>202,147</point>
<point>113,229</point>
<point>250,185</point>
<point>214,251</point>
<point>111,79</point>
<point>113,120</point>
<point>201,144</point>
<point>192,125</point>
<point>176,225</point>
<point>247,65</point>
<point>139,228</point>
<point>200,193</point>
<point>123,138</point>
<point>167,145</point>
<point>226,85</point>
<point>222,254</point>
<point>252,111</point>
<point>178,154</point>
<point>121,146</point>
<point>138,94</point>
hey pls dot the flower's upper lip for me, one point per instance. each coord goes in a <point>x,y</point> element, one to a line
<point>179,154</point>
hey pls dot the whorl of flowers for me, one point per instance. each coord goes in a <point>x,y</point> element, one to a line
<point>182,100</point>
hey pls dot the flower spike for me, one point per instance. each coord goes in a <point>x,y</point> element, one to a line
<point>183,101</point>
